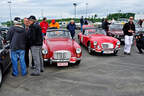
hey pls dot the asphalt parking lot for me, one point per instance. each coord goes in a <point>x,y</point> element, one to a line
<point>96,76</point>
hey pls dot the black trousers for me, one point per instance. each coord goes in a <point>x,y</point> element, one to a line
<point>140,47</point>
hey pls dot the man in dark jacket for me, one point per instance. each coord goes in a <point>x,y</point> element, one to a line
<point>36,41</point>
<point>129,30</point>
<point>71,27</point>
<point>82,23</point>
<point>105,26</point>
<point>17,37</point>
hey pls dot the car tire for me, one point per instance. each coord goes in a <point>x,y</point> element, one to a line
<point>78,62</point>
<point>1,76</point>
<point>89,49</point>
<point>115,53</point>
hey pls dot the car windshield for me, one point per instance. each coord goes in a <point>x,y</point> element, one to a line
<point>94,31</point>
<point>57,34</point>
<point>115,27</point>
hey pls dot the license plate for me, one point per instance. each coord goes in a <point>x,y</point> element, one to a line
<point>62,64</point>
<point>108,52</point>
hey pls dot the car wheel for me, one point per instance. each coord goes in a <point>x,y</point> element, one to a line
<point>0,76</point>
<point>89,49</point>
<point>115,53</point>
<point>78,62</point>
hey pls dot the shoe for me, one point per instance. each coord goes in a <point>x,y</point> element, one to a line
<point>33,74</point>
<point>128,53</point>
<point>125,53</point>
<point>14,75</point>
<point>42,70</point>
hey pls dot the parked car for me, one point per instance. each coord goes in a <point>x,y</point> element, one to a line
<point>59,48</point>
<point>4,59</point>
<point>115,30</point>
<point>95,40</point>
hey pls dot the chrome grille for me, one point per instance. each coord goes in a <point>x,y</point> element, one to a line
<point>107,45</point>
<point>62,55</point>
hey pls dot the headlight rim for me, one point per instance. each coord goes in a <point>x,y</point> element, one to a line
<point>78,50</point>
<point>95,43</point>
<point>44,51</point>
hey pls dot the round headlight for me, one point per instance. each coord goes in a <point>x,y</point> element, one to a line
<point>78,50</point>
<point>44,51</point>
<point>95,43</point>
<point>118,43</point>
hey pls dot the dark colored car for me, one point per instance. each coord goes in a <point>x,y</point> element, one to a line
<point>4,59</point>
<point>115,30</point>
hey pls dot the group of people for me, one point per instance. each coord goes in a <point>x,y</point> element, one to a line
<point>24,38</point>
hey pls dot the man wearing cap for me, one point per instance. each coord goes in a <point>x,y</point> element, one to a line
<point>71,27</point>
<point>129,30</point>
<point>54,25</point>
<point>17,37</point>
<point>36,41</point>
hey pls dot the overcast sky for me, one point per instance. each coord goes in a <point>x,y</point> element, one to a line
<point>64,8</point>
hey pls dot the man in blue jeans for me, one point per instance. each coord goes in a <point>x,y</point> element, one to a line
<point>17,37</point>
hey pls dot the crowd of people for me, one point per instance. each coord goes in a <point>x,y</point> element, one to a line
<point>29,36</point>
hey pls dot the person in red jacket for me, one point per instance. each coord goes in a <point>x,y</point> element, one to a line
<point>44,26</point>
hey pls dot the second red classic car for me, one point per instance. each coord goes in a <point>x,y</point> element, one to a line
<point>59,48</point>
<point>96,41</point>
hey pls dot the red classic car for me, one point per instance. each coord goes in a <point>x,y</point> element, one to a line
<point>115,30</point>
<point>59,48</point>
<point>96,41</point>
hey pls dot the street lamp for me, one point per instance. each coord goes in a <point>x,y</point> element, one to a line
<point>9,2</point>
<point>75,5</point>
<point>86,9</point>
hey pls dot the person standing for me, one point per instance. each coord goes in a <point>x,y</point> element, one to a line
<point>140,22</point>
<point>36,41</point>
<point>71,27</point>
<point>129,30</point>
<point>44,26</point>
<point>26,27</point>
<point>105,26</point>
<point>54,25</point>
<point>82,23</point>
<point>17,37</point>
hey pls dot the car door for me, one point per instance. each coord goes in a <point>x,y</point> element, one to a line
<point>4,55</point>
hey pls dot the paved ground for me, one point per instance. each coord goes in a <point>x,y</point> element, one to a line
<point>96,76</point>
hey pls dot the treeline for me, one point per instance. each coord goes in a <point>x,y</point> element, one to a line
<point>117,16</point>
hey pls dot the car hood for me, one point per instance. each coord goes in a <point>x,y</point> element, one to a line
<point>103,39</point>
<point>56,44</point>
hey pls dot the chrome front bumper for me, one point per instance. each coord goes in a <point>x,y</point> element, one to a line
<point>57,61</point>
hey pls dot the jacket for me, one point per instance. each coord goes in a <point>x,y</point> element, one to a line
<point>71,27</point>
<point>17,37</point>
<point>55,25</point>
<point>44,26</point>
<point>35,35</point>
<point>127,27</point>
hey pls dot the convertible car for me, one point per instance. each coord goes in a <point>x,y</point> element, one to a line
<point>96,40</point>
<point>4,59</point>
<point>59,48</point>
